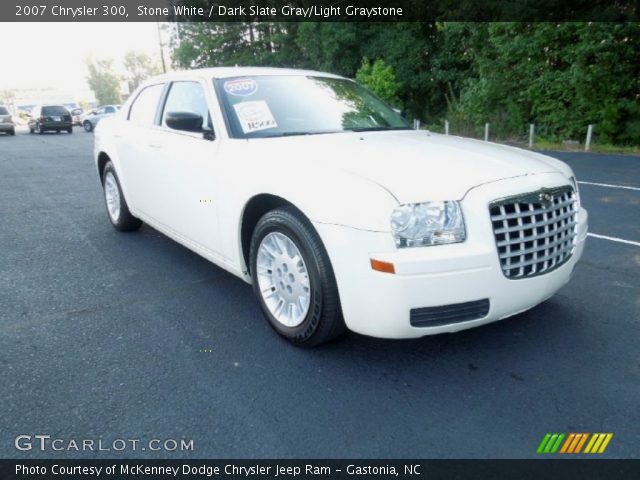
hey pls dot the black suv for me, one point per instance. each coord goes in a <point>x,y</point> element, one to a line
<point>50,117</point>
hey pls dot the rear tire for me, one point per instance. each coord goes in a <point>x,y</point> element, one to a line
<point>293,279</point>
<point>87,126</point>
<point>117,208</point>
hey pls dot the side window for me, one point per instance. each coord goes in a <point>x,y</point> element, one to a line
<point>143,110</point>
<point>100,111</point>
<point>187,97</point>
<point>109,110</point>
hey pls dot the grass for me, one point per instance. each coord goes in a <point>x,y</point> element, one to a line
<point>542,144</point>
<point>545,144</point>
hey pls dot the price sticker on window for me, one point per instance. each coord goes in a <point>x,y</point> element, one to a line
<point>255,116</point>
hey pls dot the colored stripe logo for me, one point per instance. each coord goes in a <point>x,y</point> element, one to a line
<point>574,443</point>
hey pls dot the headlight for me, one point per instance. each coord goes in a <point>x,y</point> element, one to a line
<point>574,183</point>
<point>428,223</point>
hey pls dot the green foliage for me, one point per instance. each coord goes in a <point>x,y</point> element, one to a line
<point>239,43</point>
<point>104,82</point>
<point>138,67</point>
<point>380,79</point>
<point>561,76</point>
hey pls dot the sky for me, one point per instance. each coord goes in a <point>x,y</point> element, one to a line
<point>51,55</point>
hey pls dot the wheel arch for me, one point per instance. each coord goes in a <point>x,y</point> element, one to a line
<point>101,162</point>
<point>254,209</point>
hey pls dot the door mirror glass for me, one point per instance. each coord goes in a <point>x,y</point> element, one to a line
<point>185,121</point>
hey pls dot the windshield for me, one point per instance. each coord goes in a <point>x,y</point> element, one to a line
<point>54,110</point>
<point>282,105</point>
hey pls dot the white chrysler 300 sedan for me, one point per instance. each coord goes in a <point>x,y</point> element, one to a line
<point>309,187</point>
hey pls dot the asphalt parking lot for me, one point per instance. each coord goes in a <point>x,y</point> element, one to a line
<point>106,335</point>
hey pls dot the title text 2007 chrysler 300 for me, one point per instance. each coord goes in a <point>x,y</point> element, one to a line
<point>312,189</point>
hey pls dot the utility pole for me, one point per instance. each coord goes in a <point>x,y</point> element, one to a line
<point>164,65</point>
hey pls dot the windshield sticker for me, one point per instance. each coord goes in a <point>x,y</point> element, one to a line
<point>254,116</point>
<point>241,87</point>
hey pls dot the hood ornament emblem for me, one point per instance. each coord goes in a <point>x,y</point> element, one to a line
<point>545,198</point>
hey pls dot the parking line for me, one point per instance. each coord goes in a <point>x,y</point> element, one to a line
<point>614,239</point>
<point>624,187</point>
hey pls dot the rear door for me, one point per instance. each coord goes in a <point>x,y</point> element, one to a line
<point>137,150</point>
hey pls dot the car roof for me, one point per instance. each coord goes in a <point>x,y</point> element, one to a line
<point>226,72</point>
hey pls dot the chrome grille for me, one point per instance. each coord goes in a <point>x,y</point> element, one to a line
<point>534,232</point>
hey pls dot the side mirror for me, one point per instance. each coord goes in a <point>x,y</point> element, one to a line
<point>184,121</point>
<point>208,133</point>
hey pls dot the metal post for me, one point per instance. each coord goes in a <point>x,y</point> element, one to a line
<point>486,132</point>
<point>417,124</point>
<point>532,134</point>
<point>587,144</point>
<point>446,127</point>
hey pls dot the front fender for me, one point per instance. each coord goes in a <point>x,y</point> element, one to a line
<point>329,197</point>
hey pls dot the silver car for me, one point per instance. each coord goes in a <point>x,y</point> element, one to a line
<point>6,121</point>
<point>92,118</point>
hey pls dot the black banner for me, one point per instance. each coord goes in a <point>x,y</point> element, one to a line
<point>316,10</point>
<point>318,469</point>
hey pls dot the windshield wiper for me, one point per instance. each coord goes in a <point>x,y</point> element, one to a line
<point>376,129</point>
<point>294,134</point>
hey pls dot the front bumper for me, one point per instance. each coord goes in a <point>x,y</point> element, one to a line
<point>7,127</point>
<point>379,304</point>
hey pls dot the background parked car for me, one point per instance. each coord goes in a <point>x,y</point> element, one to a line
<point>92,118</point>
<point>76,116</point>
<point>6,121</point>
<point>50,117</point>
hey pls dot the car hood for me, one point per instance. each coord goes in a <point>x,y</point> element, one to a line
<point>415,166</point>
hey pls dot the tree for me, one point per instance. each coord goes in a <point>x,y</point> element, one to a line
<point>104,82</point>
<point>138,67</point>
<point>7,97</point>
<point>380,79</point>
<point>562,76</point>
<point>241,43</point>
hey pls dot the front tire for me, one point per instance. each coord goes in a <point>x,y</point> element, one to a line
<point>293,279</point>
<point>87,126</point>
<point>117,208</point>
<point>12,132</point>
